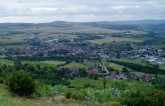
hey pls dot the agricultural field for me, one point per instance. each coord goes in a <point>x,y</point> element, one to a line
<point>134,61</point>
<point>159,46</point>
<point>77,65</point>
<point>45,63</point>
<point>7,62</point>
<point>57,36</point>
<point>11,39</point>
<point>116,66</point>
<point>113,39</point>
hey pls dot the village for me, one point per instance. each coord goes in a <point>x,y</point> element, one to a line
<point>55,47</point>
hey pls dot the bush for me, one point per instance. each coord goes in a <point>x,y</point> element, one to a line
<point>135,98</point>
<point>21,83</point>
<point>157,97</point>
<point>58,89</point>
<point>68,95</point>
<point>74,94</point>
<point>42,89</point>
<point>1,80</point>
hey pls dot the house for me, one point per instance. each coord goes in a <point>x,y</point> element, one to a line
<point>146,78</point>
<point>92,70</point>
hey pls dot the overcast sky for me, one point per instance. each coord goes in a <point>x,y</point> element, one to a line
<point>38,11</point>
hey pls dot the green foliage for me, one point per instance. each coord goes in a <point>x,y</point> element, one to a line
<point>119,85</point>
<point>57,89</point>
<point>157,97</point>
<point>68,95</point>
<point>159,84</point>
<point>104,82</point>
<point>74,94</point>
<point>101,96</point>
<point>87,85</point>
<point>134,98</point>
<point>151,69</point>
<point>82,72</point>
<point>125,70</point>
<point>110,69</point>
<point>42,89</point>
<point>1,80</point>
<point>21,83</point>
<point>93,76</point>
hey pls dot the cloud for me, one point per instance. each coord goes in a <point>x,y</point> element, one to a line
<point>84,10</point>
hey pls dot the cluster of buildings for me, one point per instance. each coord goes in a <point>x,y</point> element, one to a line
<point>113,74</point>
<point>146,53</point>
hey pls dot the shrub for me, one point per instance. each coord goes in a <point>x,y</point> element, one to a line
<point>42,89</point>
<point>1,80</point>
<point>68,95</point>
<point>87,85</point>
<point>21,83</point>
<point>135,98</point>
<point>157,97</point>
<point>74,94</point>
<point>58,89</point>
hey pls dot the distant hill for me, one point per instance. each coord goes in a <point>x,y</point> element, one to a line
<point>158,24</point>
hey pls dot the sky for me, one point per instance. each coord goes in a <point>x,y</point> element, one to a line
<point>40,11</point>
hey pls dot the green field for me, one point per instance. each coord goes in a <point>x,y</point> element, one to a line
<point>112,39</point>
<point>162,66</point>
<point>116,66</point>
<point>134,61</point>
<point>45,63</point>
<point>54,63</point>
<point>7,62</point>
<point>98,84</point>
<point>143,63</point>
<point>158,46</point>
<point>80,65</point>
<point>11,39</point>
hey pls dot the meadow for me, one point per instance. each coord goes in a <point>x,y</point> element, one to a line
<point>79,83</point>
<point>81,65</point>
<point>45,63</point>
<point>113,39</point>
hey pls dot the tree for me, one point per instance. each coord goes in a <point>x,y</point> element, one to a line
<point>104,82</point>
<point>82,72</point>
<point>125,70</point>
<point>110,69</point>
<point>21,83</point>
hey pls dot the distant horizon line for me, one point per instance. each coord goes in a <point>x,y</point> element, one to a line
<point>81,21</point>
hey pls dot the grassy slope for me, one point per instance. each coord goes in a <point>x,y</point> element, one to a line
<point>6,99</point>
<point>120,67</point>
<point>45,63</point>
<point>80,65</point>
<point>138,62</point>
<point>116,66</point>
<point>53,63</point>
<point>7,62</point>
<point>133,61</point>
<point>98,84</point>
